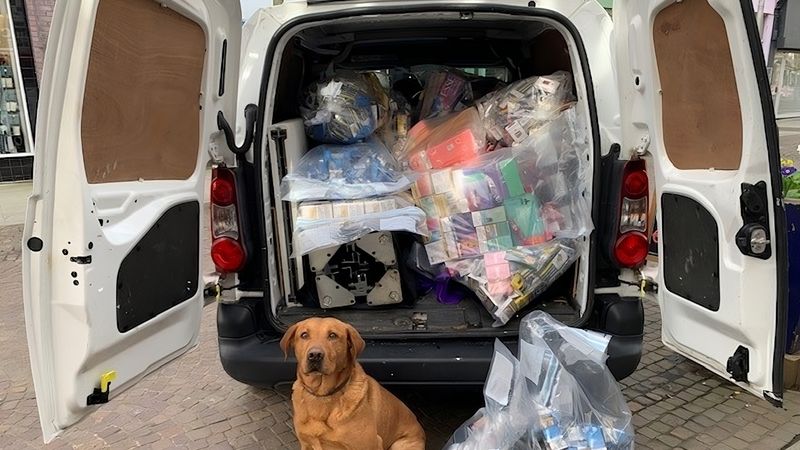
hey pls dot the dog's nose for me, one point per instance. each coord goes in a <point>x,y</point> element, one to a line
<point>315,355</point>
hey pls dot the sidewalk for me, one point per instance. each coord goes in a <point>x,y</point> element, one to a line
<point>13,201</point>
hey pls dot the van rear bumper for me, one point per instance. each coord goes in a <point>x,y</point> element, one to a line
<point>258,360</point>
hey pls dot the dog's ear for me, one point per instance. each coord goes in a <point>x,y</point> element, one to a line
<point>354,341</point>
<point>287,341</point>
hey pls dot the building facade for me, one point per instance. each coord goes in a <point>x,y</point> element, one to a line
<point>19,92</point>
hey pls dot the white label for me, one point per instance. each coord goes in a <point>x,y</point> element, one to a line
<point>498,385</point>
<point>531,357</point>
<point>331,89</point>
<point>517,132</point>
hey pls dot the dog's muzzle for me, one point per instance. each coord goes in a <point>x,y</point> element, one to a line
<point>314,360</point>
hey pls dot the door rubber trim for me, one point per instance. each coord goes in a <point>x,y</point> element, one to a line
<point>780,239</point>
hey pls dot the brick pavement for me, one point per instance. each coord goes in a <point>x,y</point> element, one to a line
<point>191,403</point>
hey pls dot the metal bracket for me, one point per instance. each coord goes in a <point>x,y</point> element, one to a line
<point>331,294</point>
<point>388,291</point>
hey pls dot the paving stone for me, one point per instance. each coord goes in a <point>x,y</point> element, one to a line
<point>736,443</point>
<point>682,433</point>
<point>714,414</point>
<point>669,440</point>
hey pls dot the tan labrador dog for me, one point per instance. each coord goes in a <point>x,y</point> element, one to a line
<point>336,404</point>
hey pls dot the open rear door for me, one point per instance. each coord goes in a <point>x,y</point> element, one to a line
<point>695,96</point>
<point>127,117</point>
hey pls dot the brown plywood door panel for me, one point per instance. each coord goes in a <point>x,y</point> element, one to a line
<point>141,106</point>
<point>702,118</point>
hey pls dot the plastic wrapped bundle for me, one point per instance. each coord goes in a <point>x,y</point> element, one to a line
<point>344,109</point>
<point>508,281</point>
<point>514,197</point>
<point>337,172</point>
<point>445,141</point>
<point>578,399</point>
<point>326,224</point>
<point>558,395</point>
<point>513,113</point>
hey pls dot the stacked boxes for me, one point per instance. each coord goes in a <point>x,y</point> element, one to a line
<point>479,209</point>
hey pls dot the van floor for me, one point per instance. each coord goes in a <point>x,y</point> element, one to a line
<point>427,315</point>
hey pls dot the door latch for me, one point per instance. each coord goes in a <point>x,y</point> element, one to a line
<point>739,364</point>
<point>753,238</point>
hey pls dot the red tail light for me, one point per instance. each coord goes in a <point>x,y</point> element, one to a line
<point>227,251</point>
<point>228,255</point>
<point>223,189</point>
<point>631,247</point>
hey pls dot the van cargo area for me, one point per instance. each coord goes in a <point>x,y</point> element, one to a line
<point>492,48</point>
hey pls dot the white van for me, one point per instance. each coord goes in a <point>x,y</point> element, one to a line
<point>135,104</point>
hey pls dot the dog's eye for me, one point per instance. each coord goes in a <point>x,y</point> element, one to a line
<point>332,335</point>
<point>304,335</point>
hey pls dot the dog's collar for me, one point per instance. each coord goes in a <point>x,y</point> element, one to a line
<point>332,392</point>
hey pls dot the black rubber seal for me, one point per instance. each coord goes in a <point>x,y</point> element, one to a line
<point>780,240</point>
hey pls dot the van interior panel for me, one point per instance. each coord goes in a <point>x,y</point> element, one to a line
<point>141,116</point>
<point>702,118</point>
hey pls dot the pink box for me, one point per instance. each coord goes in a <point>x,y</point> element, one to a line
<point>498,272</point>
<point>458,149</point>
<point>494,258</point>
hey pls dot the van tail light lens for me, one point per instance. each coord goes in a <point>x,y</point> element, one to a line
<point>632,245</point>
<point>227,251</point>
<point>228,255</point>
<point>631,249</point>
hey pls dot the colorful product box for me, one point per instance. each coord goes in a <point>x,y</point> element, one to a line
<point>493,231</point>
<point>428,204</point>
<point>498,272</point>
<point>451,245</point>
<point>489,216</point>
<point>442,181</point>
<point>478,188</point>
<point>343,210</point>
<point>437,252</point>
<point>500,243</point>
<point>423,187</point>
<point>316,211</point>
<point>434,228</point>
<point>512,179</point>
<point>459,148</point>
<point>379,205</point>
<point>525,220</point>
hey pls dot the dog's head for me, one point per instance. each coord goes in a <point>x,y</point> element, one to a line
<point>322,345</point>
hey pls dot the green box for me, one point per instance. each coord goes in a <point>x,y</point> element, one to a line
<point>509,169</point>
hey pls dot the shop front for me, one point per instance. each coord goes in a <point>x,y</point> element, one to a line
<point>18,93</point>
